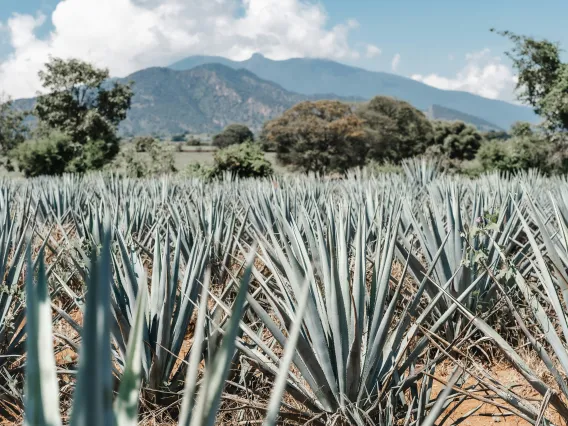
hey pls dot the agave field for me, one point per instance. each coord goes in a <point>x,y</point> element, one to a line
<point>369,300</point>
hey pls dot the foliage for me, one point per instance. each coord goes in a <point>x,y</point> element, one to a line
<point>496,135</point>
<point>50,154</point>
<point>193,141</point>
<point>457,140</point>
<point>143,143</point>
<point>179,138</point>
<point>521,129</point>
<point>234,134</point>
<point>321,136</point>
<point>12,129</point>
<point>542,78</point>
<point>518,153</point>
<point>80,103</point>
<point>245,161</point>
<point>157,159</point>
<point>397,130</point>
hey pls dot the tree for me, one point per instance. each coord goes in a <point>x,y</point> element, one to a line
<point>397,129</point>
<point>234,134</point>
<point>81,103</point>
<point>321,136</point>
<point>456,139</point>
<point>496,135</point>
<point>542,78</point>
<point>521,152</point>
<point>12,130</point>
<point>521,129</point>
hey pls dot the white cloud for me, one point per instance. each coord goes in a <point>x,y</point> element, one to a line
<point>395,62</point>
<point>483,75</point>
<point>127,35</point>
<point>373,51</point>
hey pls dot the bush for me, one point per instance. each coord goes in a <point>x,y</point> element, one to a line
<point>193,141</point>
<point>157,160</point>
<point>179,138</point>
<point>245,161</point>
<point>143,143</point>
<point>233,134</point>
<point>47,155</point>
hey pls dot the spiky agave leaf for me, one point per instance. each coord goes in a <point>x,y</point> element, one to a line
<point>41,388</point>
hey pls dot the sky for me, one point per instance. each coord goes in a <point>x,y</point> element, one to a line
<point>444,43</point>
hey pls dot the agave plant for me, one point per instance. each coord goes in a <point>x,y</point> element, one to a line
<point>13,246</point>
<point>355,335</point>
<point>93,395</point>
<point>464,235</point>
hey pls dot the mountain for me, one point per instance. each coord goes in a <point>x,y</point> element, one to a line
<point>437,112</point>
<point>311,76</point>
<point>203,99</point>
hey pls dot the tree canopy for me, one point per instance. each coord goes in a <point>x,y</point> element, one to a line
<point>396,129</point>
<point>542,78</point>
<point>12,129</point>
<point>457,140</point>
<point>82,103</point>
<point>321,136</point>
<point>233,134</point>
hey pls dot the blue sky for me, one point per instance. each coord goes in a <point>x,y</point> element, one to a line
<point>440,42</point>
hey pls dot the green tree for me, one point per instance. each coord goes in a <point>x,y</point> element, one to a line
<point>234,134</point>
<point>397,130</point>
<point>542,78</point>
<point>521,129</point>
<point>456,139</point>
<point>521,152</point>
<point>82,103</point>
<point>321,136</point>
<point>496,135</point>
<point>12,130</point>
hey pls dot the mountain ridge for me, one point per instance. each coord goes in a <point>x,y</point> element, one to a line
<point>309,76</point>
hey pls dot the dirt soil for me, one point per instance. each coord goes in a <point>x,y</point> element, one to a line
<point>487,414</point>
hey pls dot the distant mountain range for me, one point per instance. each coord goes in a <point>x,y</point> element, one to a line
<point>203,99</point>
<point>203,94</point>
<point>311,76</point>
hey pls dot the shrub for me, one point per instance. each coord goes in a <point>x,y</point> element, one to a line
<point>143,143</point>
<point>245,160</point>
<point>157,160</point>
<point>193,141</point>
<point>47,155</point>
<point>233,134</point>
<point>179,138</point>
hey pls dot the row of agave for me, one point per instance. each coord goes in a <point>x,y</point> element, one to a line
<point>341,297</point>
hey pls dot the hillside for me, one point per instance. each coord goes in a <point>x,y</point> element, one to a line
<point>311,76</point>
<point>203,99</point>
<point>437,112</point>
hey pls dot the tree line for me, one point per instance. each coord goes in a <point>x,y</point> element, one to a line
<point>78,114</point>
